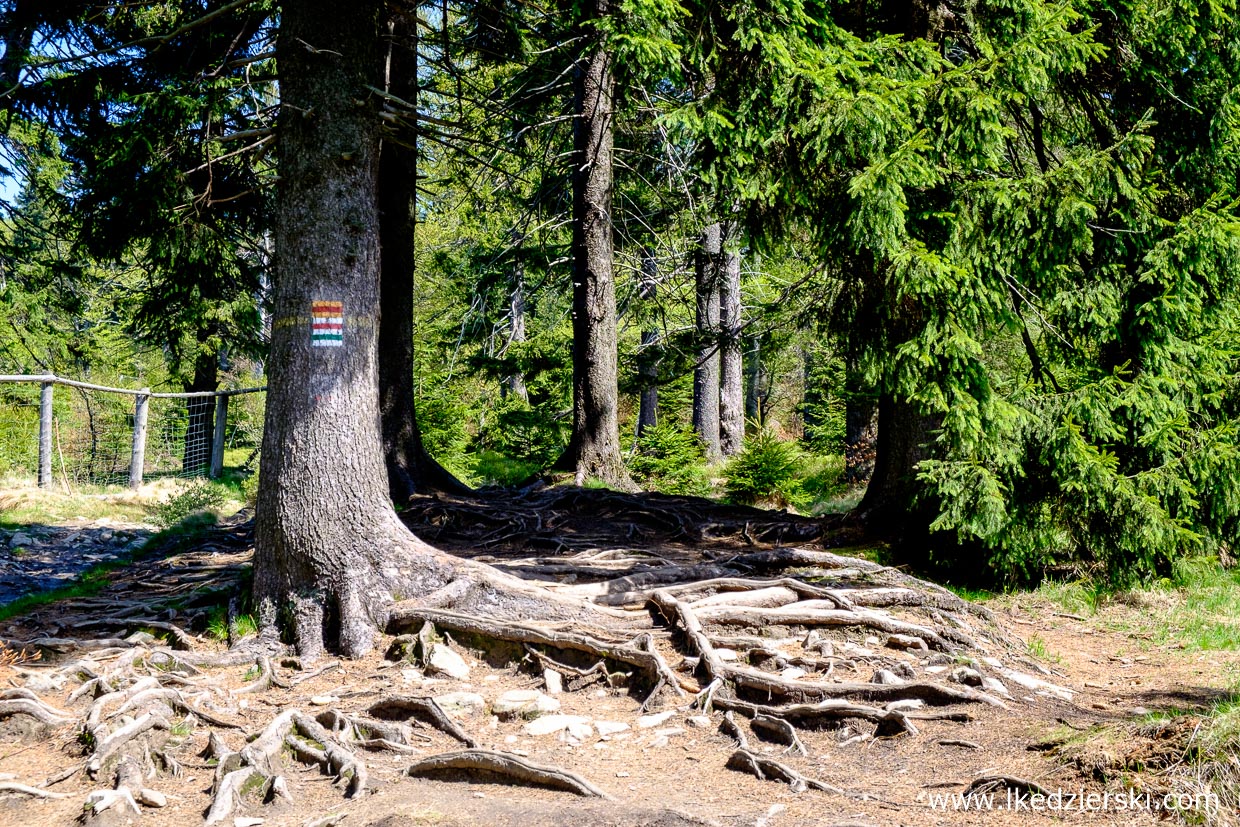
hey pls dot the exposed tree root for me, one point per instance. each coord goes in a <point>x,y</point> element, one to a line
<point>792,639</point>
<point>815,716</point>
<point>426,709</point>
<point>771,728</point>
<point>509,766</point>
<point>990,783</point>
<point>637,653</point>
<point>33,792</point>
<point>25,702</point>
<point>258,763</point>
<point>768,769</point>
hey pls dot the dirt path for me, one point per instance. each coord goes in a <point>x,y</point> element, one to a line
<point>40,557</point>
<point>669,771</point>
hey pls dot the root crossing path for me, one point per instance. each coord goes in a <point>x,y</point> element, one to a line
<point>750,669</point>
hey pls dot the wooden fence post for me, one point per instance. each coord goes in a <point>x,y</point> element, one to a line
<point>217,440</point>
<point>45,436</point>
<point>137,458</point>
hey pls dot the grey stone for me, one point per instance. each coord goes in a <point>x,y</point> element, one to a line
<point>444,661</point>
<point>886,677</point>
<point>461,703</point>
<point>965,675</point>
<point>549,724</point>
<point>524,703</point>
<point>606,728</point>
<point>648,721</point>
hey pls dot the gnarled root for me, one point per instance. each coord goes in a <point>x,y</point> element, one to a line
<point>25,702</point>
<point>768,769</point>
<point>258,764</point>
<point>425,709</point>
<point>509,766</point>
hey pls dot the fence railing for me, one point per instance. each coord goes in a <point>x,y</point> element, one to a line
<point>190,435</point>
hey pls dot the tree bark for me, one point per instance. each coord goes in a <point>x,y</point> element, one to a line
<point>707,269</point>
<point>731,379</point>
<point>594,449</point>
<point>648,366</point>
<point>410,468</point>
<point>324,486</point>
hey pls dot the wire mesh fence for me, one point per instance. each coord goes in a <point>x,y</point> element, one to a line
<point>94,435</point>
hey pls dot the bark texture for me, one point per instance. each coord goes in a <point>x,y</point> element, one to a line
<point>731,374</point>
<point>648,365</point>
<point>410,468</point>
<point>594,450</point>
<point>324,484</point>
<point>707,273</point>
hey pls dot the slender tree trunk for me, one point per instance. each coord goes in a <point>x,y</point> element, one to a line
<point>754,380</point>
<point>648,365</point>
<point>731,377</point>
<point>200,428</point>
<point>594,450</point>
<point>410,468</point>
<point>706,374</point>
<point>514,383</point>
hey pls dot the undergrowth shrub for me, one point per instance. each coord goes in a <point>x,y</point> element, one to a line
<point>767,468</point>
<point>670,459</point>
<point>493,468</point>
<point>201,496</point>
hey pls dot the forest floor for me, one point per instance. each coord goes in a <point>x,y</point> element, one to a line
<point>1122,700</point>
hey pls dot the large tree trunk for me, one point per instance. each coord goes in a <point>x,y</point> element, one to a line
<point>330,553</point>
<point>200,428</point>
<point>708,265</point>
<point>410,468</point>
<point>594,450</point>
<point>647,356</point>
<point>731,375</point>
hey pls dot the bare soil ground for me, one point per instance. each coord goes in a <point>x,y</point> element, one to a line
<point>669,770</point>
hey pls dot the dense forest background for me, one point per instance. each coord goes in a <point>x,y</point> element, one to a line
<point>981,255</point>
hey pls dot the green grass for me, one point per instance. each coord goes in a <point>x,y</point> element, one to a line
<point>20,507</point>
<point>971,594</point>
<point>1037,648</point>
<point>492,468</point>
<point>1202,606</point>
